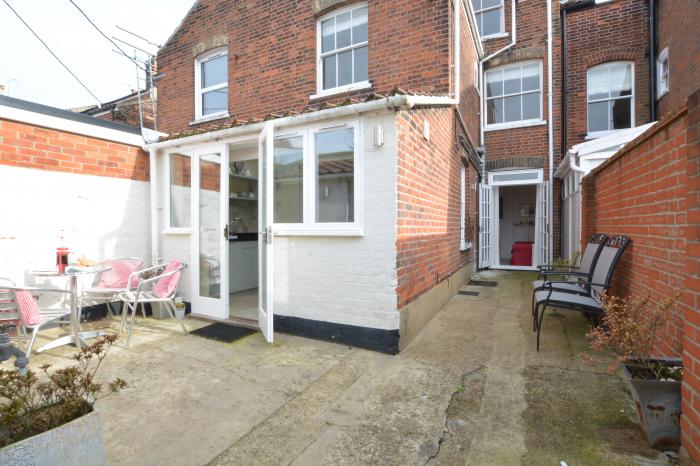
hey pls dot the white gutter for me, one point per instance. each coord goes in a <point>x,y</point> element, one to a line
<point>155,254</point>
<point>550,194</point>
<point>481,69</point>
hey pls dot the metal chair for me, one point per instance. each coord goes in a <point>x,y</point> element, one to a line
<point>98,293</point>
<point>590,303</point>
<point>8,296</point>
<point>149,278</point>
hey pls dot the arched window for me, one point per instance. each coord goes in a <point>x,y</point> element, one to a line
<point>610,97</point>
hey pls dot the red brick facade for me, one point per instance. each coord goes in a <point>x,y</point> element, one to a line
<point>24,145</point>
<point>271,73</point>
<point>676,21</point>
<point>429,197</point>
<point>650,191</point>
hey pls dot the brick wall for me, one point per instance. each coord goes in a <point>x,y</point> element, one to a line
<point>409,45</point>
<point>28,146</point>
<point>127,112</point>
<point>651,192</point>
<point>429,196</point>
<point>676,20</point>
<point>613,31</point>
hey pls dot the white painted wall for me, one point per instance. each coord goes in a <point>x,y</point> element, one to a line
<point>514,197</point>
<point>100,217</point>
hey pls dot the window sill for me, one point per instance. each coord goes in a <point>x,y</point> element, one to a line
<point>342,90</point>
<point>499,35</point>
<point>465,247</point>
<point>661,93</point>
<point>177,231</point>
<point>208,118</point>
<point>514,124</point>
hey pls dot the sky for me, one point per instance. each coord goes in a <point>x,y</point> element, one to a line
<point>29,72</point>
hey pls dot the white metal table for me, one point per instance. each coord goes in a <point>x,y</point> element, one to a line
<point>77,337</point>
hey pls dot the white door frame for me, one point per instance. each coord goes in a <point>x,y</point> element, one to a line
<point>511,178</point>
<point>211,308</point>
<point>265,235</point>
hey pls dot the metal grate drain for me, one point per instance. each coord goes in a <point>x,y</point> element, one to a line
<point>468,293</point>
<point>482,283</point>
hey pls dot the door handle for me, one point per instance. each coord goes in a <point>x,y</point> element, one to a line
<point>226,231</point>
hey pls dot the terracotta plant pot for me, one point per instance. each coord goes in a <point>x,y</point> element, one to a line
<point>659,407</point>
<point>75,443</point>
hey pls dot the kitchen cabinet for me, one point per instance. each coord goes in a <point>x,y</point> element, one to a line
<point>243,265</point>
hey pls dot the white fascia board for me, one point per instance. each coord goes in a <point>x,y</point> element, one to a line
<point>69,126</point>
<point>615,140</point>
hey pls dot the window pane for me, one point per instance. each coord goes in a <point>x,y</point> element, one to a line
<point>180,191</point>
<point>335,176</point>
<point>360,64</point>
<point>598,116</point>
<point>491,22</point>
<point>345,68</point>
<point>329,72</point>
<point>289,175</point>
<point>494,111</point>
<point>531,106</point>
<point>342,30</point>
<point>328,35</point>
<point>511,80</point>
<point>621,113</point>
<point>476,4</point>
<point>598,83</point>
<point>511,108</point>
<point>215,101</point>
<point>359,25</point>
<point>210,237</point>
<point>494,84</point>
<point>531,77</point>
<point>214,71</point>
<point>490,3</point>
<point>620,80</point>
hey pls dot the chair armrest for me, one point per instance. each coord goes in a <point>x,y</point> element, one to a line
<point>157,277</point>
<point>549,284</point>
<point>32,288</point>
<point>544,268</point>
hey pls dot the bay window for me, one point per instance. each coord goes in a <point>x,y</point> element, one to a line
<point>610,97</point>
<point>514,95</point>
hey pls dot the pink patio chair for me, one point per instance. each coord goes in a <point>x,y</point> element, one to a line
<point>155,285</point>
<point>109,283</point>
<point>31,317</point>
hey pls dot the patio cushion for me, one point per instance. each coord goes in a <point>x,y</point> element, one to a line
<point>118,275</point>
<point>28,308</point>
<point>166,286</point>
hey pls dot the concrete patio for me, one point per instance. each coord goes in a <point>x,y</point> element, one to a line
<point>471,389</point>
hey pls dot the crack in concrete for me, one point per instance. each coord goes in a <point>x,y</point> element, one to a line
<point>447,416</point>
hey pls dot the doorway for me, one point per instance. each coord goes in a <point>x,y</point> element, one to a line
<point>243,227</point>
<point>516,225</point>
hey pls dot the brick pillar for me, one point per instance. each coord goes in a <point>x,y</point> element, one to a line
<point>588,220</point>
<point>690,419</point>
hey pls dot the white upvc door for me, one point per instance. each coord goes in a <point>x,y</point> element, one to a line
<point>486,249</point>
<point>265,236</point>
<point>542,225</point>
<point>210,233</point>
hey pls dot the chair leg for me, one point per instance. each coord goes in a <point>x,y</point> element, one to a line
<point>126,307</point>
<point>171,309</point>
<point>110,311</point>
<point>539,325</point>
<point>143,310</point>
<point>131,324</point>
<point>35,331</point>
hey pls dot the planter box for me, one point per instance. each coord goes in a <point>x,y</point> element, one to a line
<point>76,443</point>
<point>659,407</point>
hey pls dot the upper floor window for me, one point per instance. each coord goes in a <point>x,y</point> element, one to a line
<point>610,97</point>
<point>514,95</point>
<point>662,83</point>
<point>342,50</point>
<point>489,17</point>
<point>211,84</point>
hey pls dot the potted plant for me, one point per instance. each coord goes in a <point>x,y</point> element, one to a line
<point>180,307</point>
<point>630,329</point>
<point>48,418</point>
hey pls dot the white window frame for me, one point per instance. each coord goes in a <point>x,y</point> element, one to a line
<point>597,134</point>
<point>309,226</point>
<point>169,229</point>
<point>199,92</point>
<point>320,92</point>
<point>495,35</point>
<point>518,123</point>
<point>537,179</point>
<point>662,85</point>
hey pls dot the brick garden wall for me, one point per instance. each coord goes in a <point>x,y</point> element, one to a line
<point>429,196</point>
<point>651,192</point>
<point>409,46</point>
<point>28,146</point>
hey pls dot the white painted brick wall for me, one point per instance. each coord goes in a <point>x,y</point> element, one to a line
<point>100,218</point>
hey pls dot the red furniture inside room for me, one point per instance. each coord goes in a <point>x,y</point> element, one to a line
<point>521,253</point>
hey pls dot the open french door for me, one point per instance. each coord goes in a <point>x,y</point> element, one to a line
<point>210,235</point>
<point>265,238</point>
<point>485,226</point>
<point>542,225</point>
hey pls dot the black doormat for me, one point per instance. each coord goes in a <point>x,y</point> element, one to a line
<point>223,332</point>
<point>469,293</point>
<point>482,283</point>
